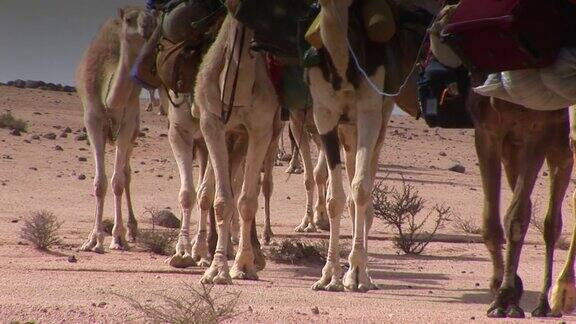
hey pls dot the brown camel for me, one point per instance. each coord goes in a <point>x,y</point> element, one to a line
<point>520,140</point>
<point>111,102</point>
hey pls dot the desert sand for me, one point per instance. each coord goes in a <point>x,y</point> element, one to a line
<point>448,283</point>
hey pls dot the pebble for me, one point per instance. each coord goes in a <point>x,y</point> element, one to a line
<point>82,159</point>
<point>58,148</point>
<point>81,177</point>
<point>458,168</point>
<point>15,132</point>
<point>50,136</point>
<point>315,310</point>
<point>72,259</point>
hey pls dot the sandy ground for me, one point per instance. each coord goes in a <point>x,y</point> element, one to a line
<point>446,284</point>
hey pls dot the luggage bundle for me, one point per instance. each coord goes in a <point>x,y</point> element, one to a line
<point>502,35</point>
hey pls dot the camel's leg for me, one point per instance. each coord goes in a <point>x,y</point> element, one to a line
<point>327,122</point>
<point>296,134</point>
<point>244,267</point>
<point>489,151</point>
<point>297,121</point>
<point>369,120</point>
<point>201,251</point>
<point>96,129</point>
<point>181,137</point>
<point>517,220</point>
<point>267,189</point>
<point>215,137</point>
<point>560,165</point>
<point>132,222</point>
<point>124,146</point>
<point>320,178</point>
<point>563,297</point>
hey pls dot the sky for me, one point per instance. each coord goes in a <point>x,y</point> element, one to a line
<point>45,39</point>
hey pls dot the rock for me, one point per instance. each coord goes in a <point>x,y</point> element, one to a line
<point>81,177</point>
<point>141,134</point>
<point>68,89</point>
<point>81,137</point>
<point>67,130</point>
<point>443,154</point>
<point>72,259</point>
<point>27,141</point>
<point>15,132</point>
<point>50,136</point>
<point>458,168</point>
<point>14,221</point>
<point>19,83</point>
<point>102,304</point>
<point>31,84</point>
<point>58,148</point>
<point>163,135</point>
<point>82,159</point>
<point>166,218</point>
<point>63,135</point>
<point>315,310</point>
<point>33,168</point>
<point>35,137</point>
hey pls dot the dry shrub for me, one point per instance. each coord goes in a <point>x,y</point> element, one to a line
<point>11,122</point>
<point>107,226</point>
<point>159,241</point>
<point>41,229</point>
<point>297,252</point>
<point>400,209</point>
<point>194,306</point>
<point>466,225</point>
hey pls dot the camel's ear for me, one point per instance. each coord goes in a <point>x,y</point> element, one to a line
<point>121,13</point>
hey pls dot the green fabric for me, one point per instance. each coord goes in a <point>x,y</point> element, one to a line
<point>295,92</point>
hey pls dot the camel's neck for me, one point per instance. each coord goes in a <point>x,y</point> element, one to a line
<point>334,32</point>
<point>122,86</point>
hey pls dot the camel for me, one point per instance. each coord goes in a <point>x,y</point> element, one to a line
<point>111,112</point>
<point>156,102</point>
<point>252,114</point>
<point>521,140</point>
<point>348,110</point>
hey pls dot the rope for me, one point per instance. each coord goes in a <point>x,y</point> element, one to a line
<point>363,71</point>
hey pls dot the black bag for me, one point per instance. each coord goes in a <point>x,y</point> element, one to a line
<point>443,94</point>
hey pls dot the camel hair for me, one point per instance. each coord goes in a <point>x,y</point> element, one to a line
<point>111,102</point>
<point>520,140</point>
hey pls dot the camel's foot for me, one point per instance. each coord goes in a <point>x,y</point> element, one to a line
<point>543,309</point>
<point>330,280</point>
<point>321,219</point>
<point>283,156</point>
<point>563,298</point>
<point>306,227</point>
<point>259,258</point>
<point>119,243</point>
<point>200,248</point>
<point>267,235</point>
<point>294,169</point>
<point>244,267</point>
<point>356,278</point>
<point>181,261</point>
<point>132,229</point>
<point>507,303</point>
<point>218,272</point>
<point>95,243</point>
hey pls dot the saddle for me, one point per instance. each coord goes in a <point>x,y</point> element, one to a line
<point>171,57</point>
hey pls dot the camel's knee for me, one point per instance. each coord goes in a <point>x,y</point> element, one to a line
<point>204,198</point>
<point>361,192</point>
<point>100,186</point>
<point>186,199</point>
<point>223,209</point>
<point>335,204</point>
<point>247,207</point>
<point>118,183</point>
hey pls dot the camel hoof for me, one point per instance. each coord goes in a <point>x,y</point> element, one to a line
<point>300,228</point>
<point>119,244</point>
<point>98,249</point>
<point>310,228</point>
<point>323,224</point>
<point>563,298</point>
<point>259,262</point>
<point>294,170</point>
<point>515,312</point>
<point>335,286</point>
<point>496,312</point>
<point>181,261</point>
<point>216,277</point>
<point>204,263</point>
<point>243,275</point>
<point>543,310</point>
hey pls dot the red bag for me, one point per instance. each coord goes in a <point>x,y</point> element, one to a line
<point>502,35</point>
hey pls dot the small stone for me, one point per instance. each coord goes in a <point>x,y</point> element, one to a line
<point>166,218</point>
<point>58,148</point>
<point>14,221</point>
<point>315,310</point>
<point>15,132</point>
<point>35,137</point>
<point>102,304</point>
<point>81,177</point>
<point>141,134</point>
<point>72,259</point>
<point>473,317</point>
<point>163,135</point>
<point>250,309</point>
<point>443,154</point>
<point>81,137</point>
<point>82,159</point>
<point>27,141</point>
<point>458,168</point>
<point>477,284</point>
<point>63,135</point>
<point>33,168</point>
<point>288,197</point>
<point>50,136</point>
<point>67,130</point>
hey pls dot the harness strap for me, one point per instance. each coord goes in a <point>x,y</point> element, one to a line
<point>226,114</point>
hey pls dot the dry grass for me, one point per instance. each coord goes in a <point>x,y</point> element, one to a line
<point>41,229</point>
<point>193,306</point>
<point>295,251</point>
<point>466,225</point>
<point>401,210</point>
<point>159,241</point>
<point>10,122</point>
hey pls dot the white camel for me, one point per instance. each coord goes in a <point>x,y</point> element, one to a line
<point>111,102</point>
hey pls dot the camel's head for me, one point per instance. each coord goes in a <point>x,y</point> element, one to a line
<point>137,24</point>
